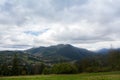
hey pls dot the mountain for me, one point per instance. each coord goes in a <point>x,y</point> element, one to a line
<point>51,54</point>
<point>103,51</point>
<point>60,52</point>
<point>106,50</point>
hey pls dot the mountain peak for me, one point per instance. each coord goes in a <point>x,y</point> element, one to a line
<point>63,45</point>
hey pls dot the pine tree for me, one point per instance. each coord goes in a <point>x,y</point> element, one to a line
<point>15,66</point>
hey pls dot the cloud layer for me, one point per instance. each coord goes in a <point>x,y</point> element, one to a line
<point>90,24</point>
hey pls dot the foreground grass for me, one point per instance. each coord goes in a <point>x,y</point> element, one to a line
<point>83,76</point>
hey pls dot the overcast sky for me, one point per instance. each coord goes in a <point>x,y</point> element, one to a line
<point>90,24</point>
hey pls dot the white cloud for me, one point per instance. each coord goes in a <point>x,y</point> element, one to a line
<point>90,24</point>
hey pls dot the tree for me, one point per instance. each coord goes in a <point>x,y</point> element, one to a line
<point>42,67</point>
<point>24,70</point>
<point>47,70</point>
<point>0,69</point>
<point>15,66</point>
<point>88,65</point>
<point>84,65</point>
<point>38,68</point>
<point>114,59</point>
<point>5,71</point>
<point>64,68</point>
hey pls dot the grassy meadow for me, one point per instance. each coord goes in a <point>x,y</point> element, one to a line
<point>83,76</point>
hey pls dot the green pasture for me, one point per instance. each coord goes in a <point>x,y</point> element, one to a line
<point>82,76</point>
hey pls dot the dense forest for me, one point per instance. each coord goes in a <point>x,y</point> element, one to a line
<point>97,63</point>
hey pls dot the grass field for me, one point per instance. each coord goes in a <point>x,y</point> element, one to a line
<point>83,76</point>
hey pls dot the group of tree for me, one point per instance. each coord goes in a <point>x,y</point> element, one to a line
<point>101,62</point>
<point>61,68</point>
<point>20,68</point>
<point>97,63</point>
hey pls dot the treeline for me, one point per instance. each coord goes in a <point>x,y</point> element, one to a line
<point>18,67</point>
<point>101,62</point>
<point>97,63</point>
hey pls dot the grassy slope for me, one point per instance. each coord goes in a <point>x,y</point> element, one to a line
<point>84,76</point>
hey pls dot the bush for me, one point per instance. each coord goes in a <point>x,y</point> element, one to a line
<point>47,71</point>
<point>64,68</point>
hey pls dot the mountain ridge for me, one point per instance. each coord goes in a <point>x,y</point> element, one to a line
<point>51,54</point>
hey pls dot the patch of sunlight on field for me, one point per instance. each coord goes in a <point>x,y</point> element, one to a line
<point>84,76</point>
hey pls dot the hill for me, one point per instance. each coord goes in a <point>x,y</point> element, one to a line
<point>51,54</point>
<point>61,52</point>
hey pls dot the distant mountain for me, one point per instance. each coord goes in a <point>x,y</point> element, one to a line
<point>106,50</point>
<point>103,51</point>
<point>51,54</point>
<point>60,52</point>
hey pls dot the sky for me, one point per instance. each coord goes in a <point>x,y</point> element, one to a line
<point>90,24</point>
